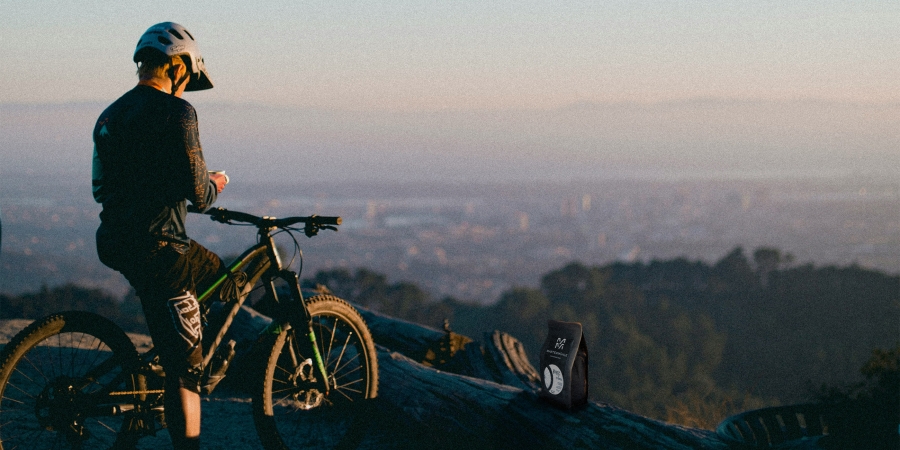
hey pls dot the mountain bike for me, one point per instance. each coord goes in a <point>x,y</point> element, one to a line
<point>75,379</point>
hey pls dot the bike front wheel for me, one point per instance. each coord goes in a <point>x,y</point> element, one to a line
<point>290,409</point>
<point>67,381</point>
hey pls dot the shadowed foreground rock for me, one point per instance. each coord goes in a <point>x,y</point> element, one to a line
<point>421,407</point>
<point>438,389</point>
<point>430,407</point>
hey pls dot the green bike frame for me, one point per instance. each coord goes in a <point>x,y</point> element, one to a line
<point>261,262</point>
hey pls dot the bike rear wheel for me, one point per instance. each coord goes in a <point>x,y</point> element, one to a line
<point>67,381</point>
<point>289,410</point>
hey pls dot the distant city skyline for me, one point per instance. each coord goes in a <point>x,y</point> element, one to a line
<point>428,56</point>
<point>474,241</point>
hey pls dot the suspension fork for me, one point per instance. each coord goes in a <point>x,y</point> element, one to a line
<point>299,317</point>
<point>296,312</point>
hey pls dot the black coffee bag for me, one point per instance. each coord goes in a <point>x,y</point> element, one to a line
<point>564,365</point>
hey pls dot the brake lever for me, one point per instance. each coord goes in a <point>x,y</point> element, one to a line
<point>218,217</point>
<point>310,229</point>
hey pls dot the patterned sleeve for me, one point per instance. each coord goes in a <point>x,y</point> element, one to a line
<point>202,191</point>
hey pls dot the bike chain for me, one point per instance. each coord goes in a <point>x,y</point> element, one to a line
<point>157,391</point>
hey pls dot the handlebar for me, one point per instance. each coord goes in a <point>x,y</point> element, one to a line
<point>312,224</point>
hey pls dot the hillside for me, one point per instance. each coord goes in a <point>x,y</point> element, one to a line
<point>671,342</point>
<point>682,341</point>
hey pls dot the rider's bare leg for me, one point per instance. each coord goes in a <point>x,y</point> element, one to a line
<point>182,415</point>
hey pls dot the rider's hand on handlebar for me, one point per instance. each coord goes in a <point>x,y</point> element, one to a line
<point>220,179</point>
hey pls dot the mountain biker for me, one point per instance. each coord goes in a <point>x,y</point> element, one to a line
<point>147,164</point>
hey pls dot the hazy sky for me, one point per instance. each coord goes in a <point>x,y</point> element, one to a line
<point>426,55</point>
<point>481,90</point>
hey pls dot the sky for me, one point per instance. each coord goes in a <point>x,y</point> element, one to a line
<point>413,86</point>
<point>426,55</point>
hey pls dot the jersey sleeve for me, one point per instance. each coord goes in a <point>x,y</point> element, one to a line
<point>201,191</point>
<point>98,176</point>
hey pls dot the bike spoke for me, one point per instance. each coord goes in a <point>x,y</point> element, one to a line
<point>29,440</point>
<point>39,371</point>
<point>331,341</point>
<point>71,355</point>
<point>346,387</point>
<point>350,399</point>
<point>348,362</point>
<point>97,352</point>
<point>104,425</point>
<point>350,383</point>
<point>284,386</point>
<point>89,368</point>
<point>293,347</point>
<point>305,415</point>
<point>319,332</point>
<point>337,363</point>
<point>16,387</point>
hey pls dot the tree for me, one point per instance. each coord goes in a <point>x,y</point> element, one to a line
<point>767,260</point>
<point>733,271</point>
<point>866,414</point>
<point>60,298</point>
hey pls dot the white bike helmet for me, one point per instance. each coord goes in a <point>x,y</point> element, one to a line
<point>173,39</point>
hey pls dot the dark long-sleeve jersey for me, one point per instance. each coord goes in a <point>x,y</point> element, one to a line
<point>147,164</point>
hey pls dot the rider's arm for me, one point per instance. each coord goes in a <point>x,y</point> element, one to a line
<point>98,178</point>
<point>202,190</point>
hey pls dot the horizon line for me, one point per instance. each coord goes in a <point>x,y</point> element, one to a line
<point>581,104</point>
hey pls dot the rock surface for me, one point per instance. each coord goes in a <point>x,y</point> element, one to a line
<point>440,390</point>
<point>483,394</point>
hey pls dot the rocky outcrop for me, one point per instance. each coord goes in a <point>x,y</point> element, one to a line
<point>441,390</point>
<point>438,389</point>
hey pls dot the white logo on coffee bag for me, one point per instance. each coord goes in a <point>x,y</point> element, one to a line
<point>553,379</point>
<point>560,343</point>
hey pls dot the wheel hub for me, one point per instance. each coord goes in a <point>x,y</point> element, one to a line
<point>306,398</point>
<point>57,409</point>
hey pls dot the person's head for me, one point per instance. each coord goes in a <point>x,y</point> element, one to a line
<point>161,66</point>
<point>168,51</point>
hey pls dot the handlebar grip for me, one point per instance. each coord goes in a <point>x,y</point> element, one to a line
<point>327,220</point>
<point>224,215</point>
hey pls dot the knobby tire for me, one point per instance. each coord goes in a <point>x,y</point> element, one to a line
<point>349,355</point>
<point>54,376</point>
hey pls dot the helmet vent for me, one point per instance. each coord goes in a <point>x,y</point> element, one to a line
<point>164,41</point>
<point>189,35</point>
<point>176,34</point>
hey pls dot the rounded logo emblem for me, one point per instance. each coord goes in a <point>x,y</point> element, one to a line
<point>553,379</point>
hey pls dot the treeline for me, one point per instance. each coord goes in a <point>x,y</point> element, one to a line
<point>126,312</point>
<point>679,340</point>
